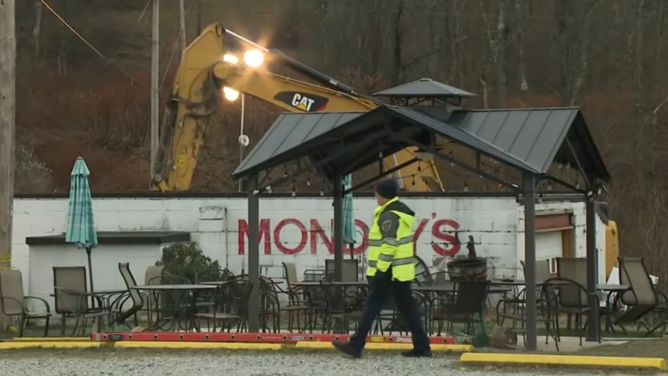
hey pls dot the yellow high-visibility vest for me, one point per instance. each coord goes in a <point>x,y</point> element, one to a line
<point>396,253</point>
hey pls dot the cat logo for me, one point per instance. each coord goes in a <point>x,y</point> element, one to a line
<point>304,102</point>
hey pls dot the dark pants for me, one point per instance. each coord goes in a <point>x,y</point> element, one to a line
<point>381,288</point>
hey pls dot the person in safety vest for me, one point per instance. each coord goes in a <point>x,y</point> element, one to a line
<point>390,270</point>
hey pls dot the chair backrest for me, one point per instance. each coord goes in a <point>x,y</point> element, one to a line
<point>69,278</point>
<point>335,302</point>
<point>128,278</point>
<point>135,295</point>
<point>632,272</point>
<point>290,271</point>
<point>350,269</point>
<point>11,291</point>
<point>471,296</point>
<point>564,292</point>
<point>439,278</point>
<point>153,274</point>
<point>574,269</point>
<point>542,270</point>
<point>422,274</point>
<point>267,286</point>
<point>240,290</point>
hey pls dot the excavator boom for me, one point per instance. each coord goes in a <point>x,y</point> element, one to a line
<point>207,73</point>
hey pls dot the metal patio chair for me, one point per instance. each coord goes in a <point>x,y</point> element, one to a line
<point>16,304</point>
<point>640,299</point>
<point>574,269</point>
<point>72,298</point>
<point>563,296</point>
<point>464,305</point>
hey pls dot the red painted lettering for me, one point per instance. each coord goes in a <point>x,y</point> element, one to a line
<point>444,241</point>
<point>417,233</point>
<point>450,245</point>
<point>264,233</point>
<point>365,237</point>
<point>318,232</point>
<point>277,236</point>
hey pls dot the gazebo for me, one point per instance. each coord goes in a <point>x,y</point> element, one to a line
<point>528,140</point>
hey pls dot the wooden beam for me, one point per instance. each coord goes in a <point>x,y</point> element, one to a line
<point>7,118</point>
<point>155,87</point>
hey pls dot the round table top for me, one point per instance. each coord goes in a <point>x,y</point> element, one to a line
<point>612,288</point>
<point>450,288</point>
<point>174,287</point>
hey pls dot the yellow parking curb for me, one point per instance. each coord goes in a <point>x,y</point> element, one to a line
<point>199,345</point>
<point>48,345</point>
<point>386,346</point>
<point>51,339</point>
<point>565,360</point>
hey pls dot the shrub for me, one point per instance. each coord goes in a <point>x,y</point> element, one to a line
<point>186,260</point>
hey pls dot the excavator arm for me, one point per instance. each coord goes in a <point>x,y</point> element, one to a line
<point>207,74</point>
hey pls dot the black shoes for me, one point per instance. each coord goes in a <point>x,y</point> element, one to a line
<point>345,348</point>
<point>417,353</point>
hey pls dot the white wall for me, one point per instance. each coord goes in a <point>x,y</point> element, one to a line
<point>292,225</point>
<point>104,261</point>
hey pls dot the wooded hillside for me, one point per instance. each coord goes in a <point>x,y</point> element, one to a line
<point>606,56</point>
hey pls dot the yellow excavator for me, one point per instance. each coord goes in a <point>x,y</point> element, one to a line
<point>209,71</point>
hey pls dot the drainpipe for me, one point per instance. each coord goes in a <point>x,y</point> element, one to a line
<point>227,254</point>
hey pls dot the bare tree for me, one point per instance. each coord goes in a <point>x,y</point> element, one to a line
<point>659,10</point>
<point>37,27</point>
<point>371,35</point>
<point>456,37</point>
<point>496,36</point>
<point>521,11</point>
<point>573,21</point>
<point>638,55</point>
<point>64,36</point>
<point>397,48</point>
<point>324,11</point>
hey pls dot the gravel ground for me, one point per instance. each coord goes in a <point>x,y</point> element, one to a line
<point>246,363</point>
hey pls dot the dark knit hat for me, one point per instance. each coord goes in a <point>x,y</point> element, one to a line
<point>387,188</point>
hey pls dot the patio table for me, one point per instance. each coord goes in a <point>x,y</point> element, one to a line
<point>449,287</point>
<point>216,283</point>
<point>103,297</point>
<point>307,284</point>
<point>350,283</point>
<point>179,301</point>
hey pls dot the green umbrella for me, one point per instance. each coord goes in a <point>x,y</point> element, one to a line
<point>80,225</point>
<point>349,233</point>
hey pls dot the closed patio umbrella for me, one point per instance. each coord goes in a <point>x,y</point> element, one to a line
<point>348,217</point>
<point>80,224</point>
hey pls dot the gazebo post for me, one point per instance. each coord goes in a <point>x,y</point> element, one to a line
<point>592,267</point>
<point>253,253</point>
<point>529,188</point>
<point>338,227</point>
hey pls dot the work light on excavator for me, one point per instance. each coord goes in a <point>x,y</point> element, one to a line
<point>230,94</point>
<point>229,58</point>
<point>254,58</point>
